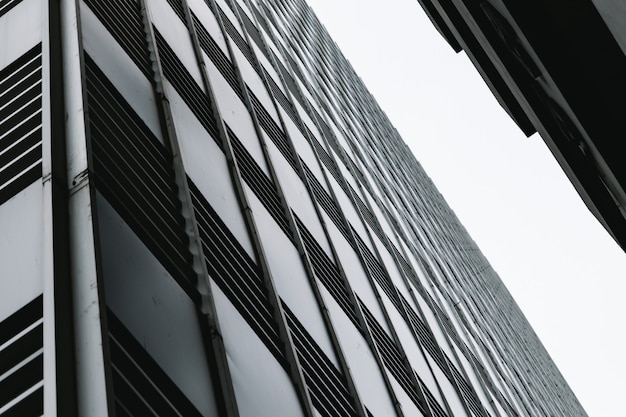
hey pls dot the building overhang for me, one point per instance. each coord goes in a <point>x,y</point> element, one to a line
<point>557,68</point>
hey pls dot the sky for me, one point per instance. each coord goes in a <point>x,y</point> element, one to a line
<point>564,270</point>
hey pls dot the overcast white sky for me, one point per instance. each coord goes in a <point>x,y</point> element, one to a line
<point>566,273</point>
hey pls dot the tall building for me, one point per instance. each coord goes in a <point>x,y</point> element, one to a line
<point>203,212</point>
<point>557,68</point>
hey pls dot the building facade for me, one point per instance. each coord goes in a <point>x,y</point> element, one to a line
<point>557,68</point>
<point>203,212</point>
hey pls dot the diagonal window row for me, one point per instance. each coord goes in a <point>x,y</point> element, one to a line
<point>239,277</point>
<point>327,273</point>
<point>214,52</point>
<point>395,361</point>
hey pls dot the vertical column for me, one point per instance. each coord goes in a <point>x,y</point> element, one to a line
<point>285,207</point>
<point>207,315</point>
<point>92,380</point>
<point>302,248</point>
<point>60,373</point>
<point>294,367</point>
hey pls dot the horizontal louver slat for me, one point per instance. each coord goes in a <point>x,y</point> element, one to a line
<point>326,202</point>
<point>177,6</point>
<point>283,101</point>
<point>252,30</point>
<point>291,83</point>
<point>139,383</point>
<point>7,5</point>
<point>123,20</point>
<point>238,39</point>
<point>378,272</point>
<point>435,408</point>
<point>20,123</point>
<point>236,273</point>
<point>184,84</point>
<point>326,385</point>
<point>259,183</point>
<point>215,54</point>
<point>468,393</point>
<point>273,131</point>
<point>393,359</point>
<point>327,273</point>
<point>134,172</point>
<point>21,360</point>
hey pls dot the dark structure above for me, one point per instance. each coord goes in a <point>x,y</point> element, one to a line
<point>558,68</point>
